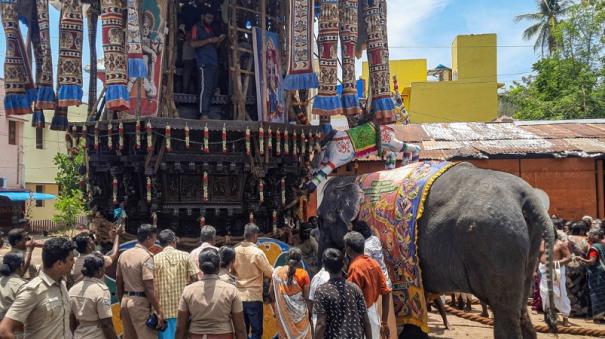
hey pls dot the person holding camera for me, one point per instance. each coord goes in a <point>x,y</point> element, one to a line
<point>205,41</point>
<point>135,287</point>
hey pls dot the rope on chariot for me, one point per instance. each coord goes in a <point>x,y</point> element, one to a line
<point>538,328</point>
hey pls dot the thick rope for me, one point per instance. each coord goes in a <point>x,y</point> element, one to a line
<point>538,328</point>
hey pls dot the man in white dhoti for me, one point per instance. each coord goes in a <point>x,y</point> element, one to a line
<point>561,256</point>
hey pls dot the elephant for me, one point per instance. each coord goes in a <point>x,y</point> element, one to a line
<point>341,147</point>
<point>480,233</point>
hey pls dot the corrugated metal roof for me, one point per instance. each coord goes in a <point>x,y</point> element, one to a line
<point>497,139</point>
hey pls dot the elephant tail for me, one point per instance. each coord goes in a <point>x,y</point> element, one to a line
<point>538,216</point>
<point>550,235</point>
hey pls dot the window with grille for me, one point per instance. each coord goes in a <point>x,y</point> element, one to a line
<point>40,138</point>
<point>12,132</point>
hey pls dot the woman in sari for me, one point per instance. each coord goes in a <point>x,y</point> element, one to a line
<point>290,289</point>
<point>596,274</point>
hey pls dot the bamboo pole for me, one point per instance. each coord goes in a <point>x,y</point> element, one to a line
<point>139,81</point>
<point>263,26</point>
<point>92,20</point>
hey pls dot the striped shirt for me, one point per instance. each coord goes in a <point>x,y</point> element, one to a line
<point>173,270</point>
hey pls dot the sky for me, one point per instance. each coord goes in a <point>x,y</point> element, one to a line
<point>417,29</point>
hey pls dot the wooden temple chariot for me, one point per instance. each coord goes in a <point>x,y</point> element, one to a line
<point>180,172</point>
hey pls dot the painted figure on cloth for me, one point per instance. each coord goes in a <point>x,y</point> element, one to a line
<point>269,89</point>
<point>151,47</point>
<point>274,80</point>
<point>149,56</point>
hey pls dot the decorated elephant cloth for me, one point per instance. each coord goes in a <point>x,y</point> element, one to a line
<point>382,105</point>
<point>393,203</point>
<point>70,54</point>
<point>116,77</point>
<point>136,63</point>
<point>17,76</point>
<point>300,63</point>
<point>327,102</point>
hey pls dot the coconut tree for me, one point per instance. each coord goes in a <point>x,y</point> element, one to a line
<point>545,20</point>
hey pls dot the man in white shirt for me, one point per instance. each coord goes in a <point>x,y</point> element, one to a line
<point>319,279</point>
<point>208,238</point>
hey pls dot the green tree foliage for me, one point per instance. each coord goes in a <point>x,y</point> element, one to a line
<point>570,83</point>
<point>70,204</point>
<point>545,21</point>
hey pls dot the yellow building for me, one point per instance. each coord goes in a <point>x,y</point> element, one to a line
<point>40,147</point>
<point>468,95</point>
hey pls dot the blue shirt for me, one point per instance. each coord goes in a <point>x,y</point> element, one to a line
<point>205,55</point>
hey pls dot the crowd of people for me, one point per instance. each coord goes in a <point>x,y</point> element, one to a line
<point>579,271</point>
<point>210,293</point>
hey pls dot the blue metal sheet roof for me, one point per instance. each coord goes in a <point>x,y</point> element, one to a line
<point>24,196</point>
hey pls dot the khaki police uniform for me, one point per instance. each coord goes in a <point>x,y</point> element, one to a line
<point>90,302</point>
<point>8,291</point>
<point>135,266</point>
<point>42,306</point>
<point>76,271</point>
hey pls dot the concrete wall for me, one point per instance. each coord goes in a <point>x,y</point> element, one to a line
<point>453,101</point>
<point>39,166</point>
<point>47,210</point>
<point>474,58</point>
<point>471,97</point>
<point>11,156</point>
<point>407,71</point>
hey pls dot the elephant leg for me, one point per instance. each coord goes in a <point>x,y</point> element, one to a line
<point>412,332</point>
<point>484,312</point>
<point>527,328</point>
<point>507,322</point>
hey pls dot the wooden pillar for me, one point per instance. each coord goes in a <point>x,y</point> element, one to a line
<point>600,190</point>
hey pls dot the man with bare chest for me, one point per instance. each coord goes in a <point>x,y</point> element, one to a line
<point>561,257</point>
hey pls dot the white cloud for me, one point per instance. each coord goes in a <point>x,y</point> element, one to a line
<point>405,24</point>
<point>405,19</point>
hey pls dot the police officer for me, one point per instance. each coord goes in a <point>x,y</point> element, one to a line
<point>10,280</point>
<point>91,302</point>
<point>134,279</point>
<point>22,243</point>
<point>42,305</point>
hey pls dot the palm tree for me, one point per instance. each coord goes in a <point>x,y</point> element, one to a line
<point>546,19</point>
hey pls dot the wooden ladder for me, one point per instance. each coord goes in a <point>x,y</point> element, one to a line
<point>239,14</point>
